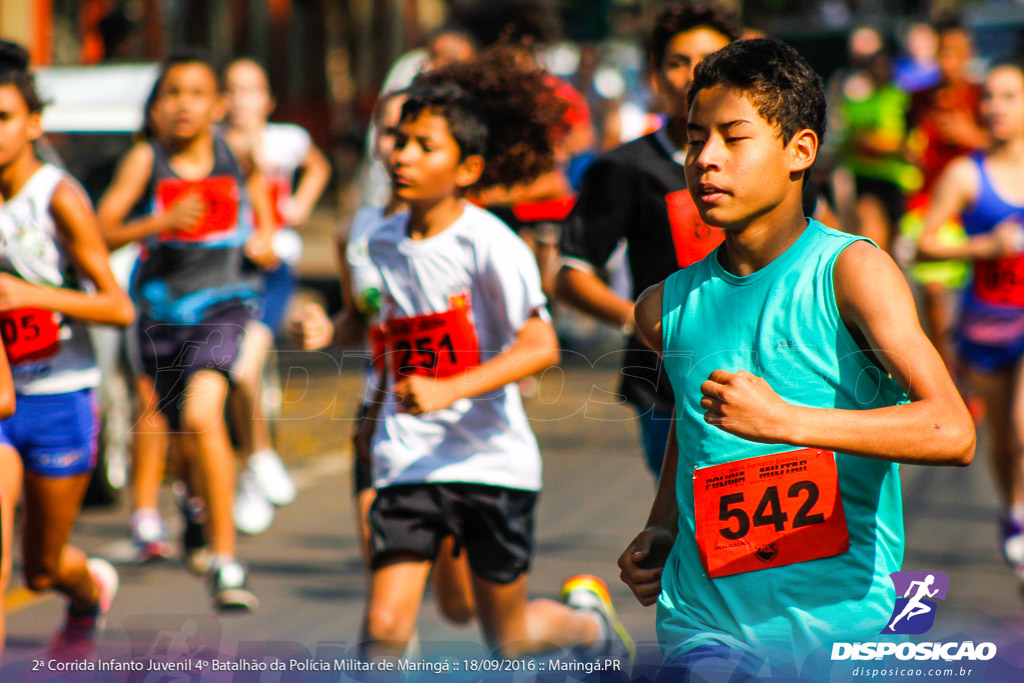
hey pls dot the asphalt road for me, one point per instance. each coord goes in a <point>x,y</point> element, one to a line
<point>309,577</point>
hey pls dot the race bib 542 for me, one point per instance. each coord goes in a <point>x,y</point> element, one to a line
<point>769,511</point>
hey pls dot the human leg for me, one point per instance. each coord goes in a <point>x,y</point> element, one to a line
<point>11,474</point>
<point>995,388</point>
<point>264,481</point>
<point>58,441</point>
<point>203,425</point>
<point>452,584</point>
<point>151,444</point>
<point>515,627</point>
<point>495,525</point>
<point>938,317</point>
<point>51,507</point>
<point>206,433</point>
<point>396,590</point>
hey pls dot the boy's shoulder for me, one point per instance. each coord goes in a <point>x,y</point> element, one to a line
<point>383,230</point>
<point>483,228</point>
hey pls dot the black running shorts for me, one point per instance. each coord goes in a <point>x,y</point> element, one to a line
<point>172,353</point>
<point>493,524</point>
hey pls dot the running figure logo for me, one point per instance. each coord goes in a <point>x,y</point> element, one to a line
<point>914,613</point>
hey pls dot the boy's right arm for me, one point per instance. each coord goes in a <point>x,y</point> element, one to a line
<point>311,329</point>
<point>124,192</point>
<point>642,562</point>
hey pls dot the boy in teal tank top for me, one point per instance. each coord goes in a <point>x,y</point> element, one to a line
<point>798,389</point>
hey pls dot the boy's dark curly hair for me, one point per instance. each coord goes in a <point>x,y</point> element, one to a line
<point>515,104</point>
<point>781,85</point>
<point>514,22</point>
<point>680,17</point>
<point>14,71</point>
<point>189,54</point>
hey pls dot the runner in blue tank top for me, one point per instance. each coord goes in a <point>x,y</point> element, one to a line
<point>778,516</point>
<point>985,190</point>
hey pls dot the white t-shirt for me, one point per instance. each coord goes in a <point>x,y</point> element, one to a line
<point>480,270</point>
<point>364,273</point>
<point>31,248</point>
<point>365,276</point>
<point>284,148</point>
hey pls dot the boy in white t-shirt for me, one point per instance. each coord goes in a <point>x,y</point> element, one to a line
<point>465,319</point>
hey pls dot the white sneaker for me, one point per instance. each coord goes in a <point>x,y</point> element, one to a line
<point>253,512</point>
<point>230,589</point>
<point>272,477</point>
<point>149,537</point>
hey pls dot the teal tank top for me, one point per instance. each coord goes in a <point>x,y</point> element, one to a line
<point>781,323</point>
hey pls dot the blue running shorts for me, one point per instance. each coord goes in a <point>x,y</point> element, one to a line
<point>55,434</point>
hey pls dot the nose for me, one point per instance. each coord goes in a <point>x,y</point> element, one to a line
<point>707,156</point>
<point>401,153</point>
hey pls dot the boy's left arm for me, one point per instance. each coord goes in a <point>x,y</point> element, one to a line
<point>260,248</point>
<point>535,348</point>
<point>316,171</point>
<point>874,299</point>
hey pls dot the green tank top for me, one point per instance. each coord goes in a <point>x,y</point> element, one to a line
<point>781,323</point>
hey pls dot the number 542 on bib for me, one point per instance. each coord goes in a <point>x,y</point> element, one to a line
<point>769,511</point>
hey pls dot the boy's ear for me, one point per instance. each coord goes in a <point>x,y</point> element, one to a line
<point>652,77</point>
<point>35,125</point>
<point>804,150</point>
<point>469,171</point>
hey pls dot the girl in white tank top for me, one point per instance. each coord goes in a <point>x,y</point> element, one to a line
<point>49,243</point>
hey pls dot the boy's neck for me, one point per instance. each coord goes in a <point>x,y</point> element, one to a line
<point>249,128</point>
<point>192,149</point>
<point>750,248</point>
<point>427,221</point>
<point>1008,150</point>
<point>14,176</point>
<point>394,205</point>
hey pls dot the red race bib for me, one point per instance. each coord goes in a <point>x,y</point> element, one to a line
<point>769,511</point>
<point>1000,282</point>
<point>435,344</point>
<point>280,192</point>
<point>29,334</point>
<point>220,193</point>
<point>692,238</point>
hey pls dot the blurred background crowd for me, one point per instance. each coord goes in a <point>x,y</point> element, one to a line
<point>903,81</point>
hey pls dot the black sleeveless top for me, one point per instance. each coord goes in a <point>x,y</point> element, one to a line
<point>183,274</point>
